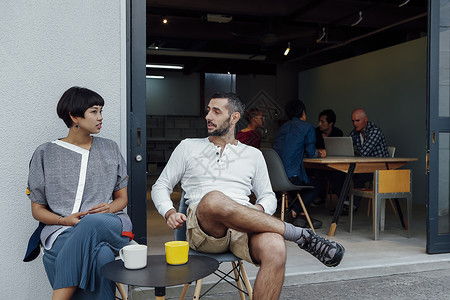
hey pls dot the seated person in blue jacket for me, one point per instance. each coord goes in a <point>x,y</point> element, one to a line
<point>297,139</point>
<point>218,174</point>
<point>78,188</point>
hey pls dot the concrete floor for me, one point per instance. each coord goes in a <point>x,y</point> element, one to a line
<point>393,253</point>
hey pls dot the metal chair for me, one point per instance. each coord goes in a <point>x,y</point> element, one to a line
<point>391,151</point>
<point>387,184</point>
<point>281,183</point>
<point>238,270</point>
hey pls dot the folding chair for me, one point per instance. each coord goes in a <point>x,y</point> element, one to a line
<point>238,270</point>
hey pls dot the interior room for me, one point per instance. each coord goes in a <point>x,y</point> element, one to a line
<point>341,55</point>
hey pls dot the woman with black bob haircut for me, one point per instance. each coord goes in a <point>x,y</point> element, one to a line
<point>78,188</point>
<point>75,101</point>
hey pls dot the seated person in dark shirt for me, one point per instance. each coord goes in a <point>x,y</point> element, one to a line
<point>250,135</point>
<point>326,128</point>
<point>369,141</point>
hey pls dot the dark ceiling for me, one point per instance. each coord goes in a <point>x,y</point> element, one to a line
<point>258,32</point>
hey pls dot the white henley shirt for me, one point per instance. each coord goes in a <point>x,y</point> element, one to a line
<point>202,167</point>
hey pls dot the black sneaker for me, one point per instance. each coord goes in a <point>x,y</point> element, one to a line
<point>328,252</point>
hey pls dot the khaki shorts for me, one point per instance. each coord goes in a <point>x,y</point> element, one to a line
<point>234,241</point>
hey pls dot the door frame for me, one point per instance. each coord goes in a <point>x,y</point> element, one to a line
<point>136,117</point>
<point>436,243</point>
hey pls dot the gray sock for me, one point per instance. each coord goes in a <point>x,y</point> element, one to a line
<point>295,234</point>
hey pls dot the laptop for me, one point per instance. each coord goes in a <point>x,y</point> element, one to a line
<point>339,146</point>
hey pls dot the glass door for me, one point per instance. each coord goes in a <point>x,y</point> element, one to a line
<point>438,156</point>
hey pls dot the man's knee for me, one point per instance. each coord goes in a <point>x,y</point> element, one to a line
<point>214,203</point>
<point>269,248</point>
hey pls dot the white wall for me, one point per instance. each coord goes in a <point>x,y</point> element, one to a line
<point>390,84</point>
<point>46,47</point>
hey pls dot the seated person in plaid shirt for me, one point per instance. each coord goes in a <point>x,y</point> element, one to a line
<point>368,140</point>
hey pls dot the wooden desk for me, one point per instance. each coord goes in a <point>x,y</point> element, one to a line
<point>351,165</point>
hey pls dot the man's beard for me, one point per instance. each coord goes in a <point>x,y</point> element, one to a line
<point>222,130</point>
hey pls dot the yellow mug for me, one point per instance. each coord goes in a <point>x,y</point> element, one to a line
<point>177,252</point>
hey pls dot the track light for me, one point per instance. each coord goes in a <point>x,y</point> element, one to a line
<point>286,52</point>
<point>403,3</point>
<point>324,33</point>
<point>359,19</point>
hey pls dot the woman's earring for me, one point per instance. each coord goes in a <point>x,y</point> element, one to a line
<point>76,125</point>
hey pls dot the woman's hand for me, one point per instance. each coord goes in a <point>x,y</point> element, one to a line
<point>73,219</point>
<point>100,208</point>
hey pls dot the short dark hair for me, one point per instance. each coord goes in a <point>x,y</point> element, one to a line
<point>75,101</point>
<point>235,103</point>
<point>295,108</point>
<point>251,113</point>
<point>331,116</point>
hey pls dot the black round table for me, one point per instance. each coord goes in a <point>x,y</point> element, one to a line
<point>159,274</point>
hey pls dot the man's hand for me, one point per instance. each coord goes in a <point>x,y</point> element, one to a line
<point>73,219</point>
<point>100,208</point>
<point>174,219</point>
<point>322,153</point>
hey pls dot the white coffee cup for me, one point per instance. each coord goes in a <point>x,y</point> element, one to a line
<point>134,256</point>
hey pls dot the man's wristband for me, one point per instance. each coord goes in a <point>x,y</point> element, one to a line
<point>57,221</point>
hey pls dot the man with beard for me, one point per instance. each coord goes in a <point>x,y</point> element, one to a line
<point>217,174</point>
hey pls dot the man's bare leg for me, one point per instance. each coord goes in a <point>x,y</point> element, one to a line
<point>217,212</point>
<point>272,259</point>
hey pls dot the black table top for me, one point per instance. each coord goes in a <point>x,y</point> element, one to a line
<point>158,273</point>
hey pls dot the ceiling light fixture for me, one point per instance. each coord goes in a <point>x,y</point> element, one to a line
<point>154,76</point>
<point>286,52</point>
<point>324,33</point>
<point>165,20</point>
<point>359,19</point>
<point>403,3</point>
<point>165,66</point>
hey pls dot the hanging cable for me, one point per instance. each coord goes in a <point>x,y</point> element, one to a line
<point>359,19</point>
<point>403,3</point>
<point>324,33</point>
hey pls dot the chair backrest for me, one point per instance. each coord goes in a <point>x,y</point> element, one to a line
<point>277,173</point>
<point>393,181</point>
<point>180,233</point>
<point>391,151</point>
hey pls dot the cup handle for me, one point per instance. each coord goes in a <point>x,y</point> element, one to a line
<point>121,254</point>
